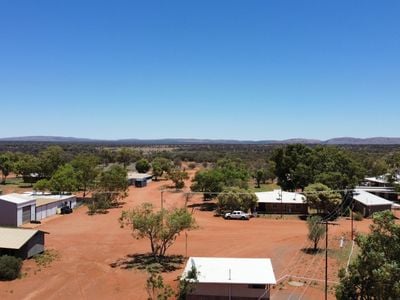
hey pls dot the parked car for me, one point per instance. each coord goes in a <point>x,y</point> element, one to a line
<point>237,214</point>
<point>66,210</point>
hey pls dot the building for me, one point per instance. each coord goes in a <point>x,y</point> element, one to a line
<point>281,202</point>
<point>18,209</point>
<point>230,278</point>
<point>139,179</point>
<point>23,243</point>
<point>367,203</point>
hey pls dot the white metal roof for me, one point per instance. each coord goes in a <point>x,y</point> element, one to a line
<point>369,199</point>
<point>15,238</point>
<point>134,175</point>
<point>232,270</point>
<point>279,196</point>
<point>17,198</point>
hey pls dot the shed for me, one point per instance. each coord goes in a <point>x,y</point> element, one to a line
<point>230,278</point>
<point>281,202</point>
<point>47,205</point>
<point>139,179</point>
<point>367,203</point>
<point>16,209</point>
<point>23,243</point>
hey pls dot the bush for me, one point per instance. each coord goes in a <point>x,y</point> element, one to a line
<point>192,165</point>
<point>10,267</point>
<point>358,216</point>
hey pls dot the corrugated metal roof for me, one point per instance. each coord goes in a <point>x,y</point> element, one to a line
<point>17,198</point>
<point>232,270</point>
<point>134,175</point>
<point>279,196</point>
<point>15,238</point>
<point>369,199</point>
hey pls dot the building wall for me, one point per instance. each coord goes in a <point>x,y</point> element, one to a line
<point>34,246</point>
<point>285,208</point>
<point>213,291</point>
<point>369,210</point>
<point>8,214</point>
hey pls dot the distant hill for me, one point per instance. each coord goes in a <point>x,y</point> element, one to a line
<point>184,141</point>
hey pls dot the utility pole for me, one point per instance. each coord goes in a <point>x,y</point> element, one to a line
<point>326,254</point>
<point>162,200</point>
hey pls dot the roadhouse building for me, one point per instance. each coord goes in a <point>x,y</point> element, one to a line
<point>18,209</point>
<point>139,179</point>
<point>230,278</point>
<point>281,202</point>
<point>23,243</point>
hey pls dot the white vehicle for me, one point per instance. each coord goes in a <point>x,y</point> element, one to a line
<point>237,214</point>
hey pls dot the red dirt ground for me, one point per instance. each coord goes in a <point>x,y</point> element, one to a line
<point>87,245</point>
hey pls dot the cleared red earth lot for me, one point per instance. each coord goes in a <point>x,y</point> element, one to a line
<point>87,245</point>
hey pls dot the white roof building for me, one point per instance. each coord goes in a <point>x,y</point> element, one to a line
<point>279,196</point>
<point>369,199</point>
<point>18,199</point>
<point>232,270</point>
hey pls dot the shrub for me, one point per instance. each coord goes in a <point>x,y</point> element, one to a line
<point>358,216</point>
<point>10,267</point>
<point>192,165</point>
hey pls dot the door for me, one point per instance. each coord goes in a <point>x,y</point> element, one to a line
<point>26,214</point>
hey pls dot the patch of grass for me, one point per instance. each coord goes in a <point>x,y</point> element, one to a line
<point>46,258</point>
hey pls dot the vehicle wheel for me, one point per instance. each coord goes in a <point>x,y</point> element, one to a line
<point>228,217</point>
<point>243,218</point>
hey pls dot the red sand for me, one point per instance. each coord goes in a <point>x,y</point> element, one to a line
<point>87,245</point>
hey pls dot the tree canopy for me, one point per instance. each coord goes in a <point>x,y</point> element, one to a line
<point>322,198</point>
<point>236,199</point>
<point>160,227</point>
<point>375,273</point>
<point>142,166</point>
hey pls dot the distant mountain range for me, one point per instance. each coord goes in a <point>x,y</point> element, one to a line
<point>183,141</point>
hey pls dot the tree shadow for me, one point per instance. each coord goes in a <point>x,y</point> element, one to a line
<point>312,251</point>
<point>149,263</point>
<point>205,206</point>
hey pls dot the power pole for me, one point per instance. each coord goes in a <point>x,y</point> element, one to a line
<point>326,254</point>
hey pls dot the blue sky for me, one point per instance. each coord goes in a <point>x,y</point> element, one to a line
<point>200,69</point>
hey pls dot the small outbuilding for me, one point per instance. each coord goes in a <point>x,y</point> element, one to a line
<point>19,209</point>
<point>23,243</point>
<point>230,278</point>
<point>16,209</point>
<point>368,203</point>
<point>139,179</point>
<point>281,202</point>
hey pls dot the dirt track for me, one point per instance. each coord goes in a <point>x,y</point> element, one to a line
<point>89,244</point>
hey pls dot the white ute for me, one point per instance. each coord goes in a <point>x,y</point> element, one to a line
<point>237,214</point>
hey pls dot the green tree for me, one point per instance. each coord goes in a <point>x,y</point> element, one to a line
<point>208,181</point>
<point>159,166</point>
<point>142,166</point>
<point>113,183</point>
<point>316,230</point>
<point>107,156</point>
<point>51,159</point>
<point>160,227</point>
<point>322,198</point>
<point>42,185</point>
<point>126,156</point>
<point>6,166</point>
<point>157,289</point>
<point>375,273</point>
<point>27,166</point>
<point>178,177</point>
<point>259,176</point>
<point>236,199</point>
<point>64,180</point>
<point>86,170</point>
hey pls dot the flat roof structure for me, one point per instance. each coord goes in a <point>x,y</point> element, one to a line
<point>369,199</point>
<point>15,238</point>
<point>279,196</point>
<point>47,199</point>
<point>232,270</point>
<point>17,198</point>
<point>134,175</point>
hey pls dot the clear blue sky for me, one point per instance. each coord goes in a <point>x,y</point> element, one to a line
<point>200,69</point>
